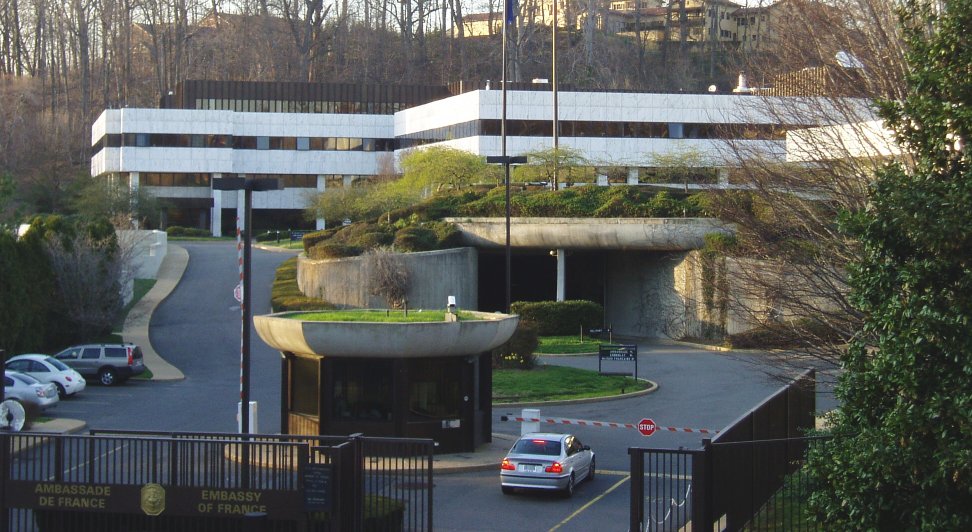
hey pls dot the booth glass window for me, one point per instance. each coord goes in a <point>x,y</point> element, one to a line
<point>433,392</point>
<point>362,390</point>
<point>304,385</point>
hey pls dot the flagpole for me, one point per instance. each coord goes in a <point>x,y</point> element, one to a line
<point>508,16</point>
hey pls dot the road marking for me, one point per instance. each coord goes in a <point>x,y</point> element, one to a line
<point>590,503</point>
<point>86,463</point>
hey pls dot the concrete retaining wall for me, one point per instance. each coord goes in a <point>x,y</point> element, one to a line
<point>640,294</point>
<point>433,275</point>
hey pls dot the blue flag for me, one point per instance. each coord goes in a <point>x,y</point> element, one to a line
<point>510,11</point>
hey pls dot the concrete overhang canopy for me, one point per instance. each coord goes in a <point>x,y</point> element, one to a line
<point>364,339</point>
<point>660,234</point>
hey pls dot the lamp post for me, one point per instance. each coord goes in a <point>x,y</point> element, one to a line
<point>506,161</point>
<point>248,186</point>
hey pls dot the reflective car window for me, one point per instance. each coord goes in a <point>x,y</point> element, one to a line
<point>7,381</point>
<point>91,352</point>
<point>26,379</point>
<point>17,365</point>
<point>56,363</point>
<point>116,352</point>
<point>71,354</point>
<point>536,446</point>
<point>37,367</point>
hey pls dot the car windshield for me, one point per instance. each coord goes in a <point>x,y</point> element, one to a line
<point>56,363</point>
<point>537,446</point>
<point>26,379</point>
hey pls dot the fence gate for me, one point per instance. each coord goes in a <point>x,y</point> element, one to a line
<point>183,482</point>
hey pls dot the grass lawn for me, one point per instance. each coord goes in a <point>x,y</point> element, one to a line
<point>551,383</point>
<point>384,316</point>
<point>563,345</point>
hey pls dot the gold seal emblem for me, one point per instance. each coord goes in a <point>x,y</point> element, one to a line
<point>153,499</point>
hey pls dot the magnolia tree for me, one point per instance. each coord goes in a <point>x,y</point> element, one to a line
<point>900,457</point>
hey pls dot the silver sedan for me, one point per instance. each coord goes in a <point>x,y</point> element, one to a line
<point>28,391</point>
<point>547,461</point>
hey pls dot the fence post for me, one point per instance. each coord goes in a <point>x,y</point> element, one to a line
<point>702,487</point>
<point>4,476</point>
<point>356,484</point>
<point>637,501</point>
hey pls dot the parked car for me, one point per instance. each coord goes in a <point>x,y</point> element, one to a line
<point>48,369</point>
<point>29,391</point>
<point>547,461</point>
<point>111,363</point>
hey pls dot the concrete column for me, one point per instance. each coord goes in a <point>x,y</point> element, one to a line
<point>633,175</point>
<point>321,186</point>
<point>347,180</point>
<point>561,274</point>
<point>602,180</point>
<point>133,184</point>
<point>216,216</point>
<point>723,174</point>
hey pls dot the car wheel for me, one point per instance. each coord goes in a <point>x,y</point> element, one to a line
<point>107,377</point>
<point>61,392</point>
<point>507,490</point>
<point>569,490</point>
<point>590,472</point>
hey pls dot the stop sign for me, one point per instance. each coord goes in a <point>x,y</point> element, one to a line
<point>646,427</point>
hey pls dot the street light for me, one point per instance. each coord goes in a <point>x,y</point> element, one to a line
<point>248,186</point>
<point>506,161</point>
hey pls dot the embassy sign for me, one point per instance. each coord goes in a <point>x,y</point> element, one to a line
<point>152,499</point>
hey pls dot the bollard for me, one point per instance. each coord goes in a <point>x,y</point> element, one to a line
<point>527,427</point>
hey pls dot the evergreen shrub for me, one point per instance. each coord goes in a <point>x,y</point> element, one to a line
<point>560,318</point>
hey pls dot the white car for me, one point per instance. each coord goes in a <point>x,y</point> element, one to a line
<point>28,391</point>
<point>49,369</point>
<point>547,461</point>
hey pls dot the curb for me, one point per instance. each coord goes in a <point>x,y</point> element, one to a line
<point>651,389</point>
<point>136,328</point>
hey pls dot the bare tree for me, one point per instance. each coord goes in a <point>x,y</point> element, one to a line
<point>388,275</point>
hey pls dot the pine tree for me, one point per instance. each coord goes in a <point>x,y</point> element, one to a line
<point>901,457</point>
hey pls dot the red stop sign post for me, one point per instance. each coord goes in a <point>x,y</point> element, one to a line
<point>646,427</point>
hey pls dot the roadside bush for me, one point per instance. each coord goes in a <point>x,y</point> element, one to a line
<point>518,353</point>
<point>560,318</point>
<point>176,230</point>
<point>285,295</point>
<point>447,235</point>
<point>312,239</point>
<point>415,238</point>
<point>374,240</point>
<point>328,250</point>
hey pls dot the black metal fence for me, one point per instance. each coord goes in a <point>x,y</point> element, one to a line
<point>209,482</point>
<point>749,476</point>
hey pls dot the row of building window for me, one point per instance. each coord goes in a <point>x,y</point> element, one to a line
<point>171,140</point>
<point>172,179</point>
<point>570,128</point>
<point>473,128</point>
<point>288,106</point>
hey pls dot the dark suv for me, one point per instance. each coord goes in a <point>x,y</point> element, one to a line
<point>112,363</point>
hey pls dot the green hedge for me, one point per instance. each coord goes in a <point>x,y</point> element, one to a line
<point>327,250</point>
<point>415,238</point>
<point>285,295</point>
<point>176,230</point>
<point>559,318</point>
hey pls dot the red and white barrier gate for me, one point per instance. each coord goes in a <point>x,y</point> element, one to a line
<point>606,424</point>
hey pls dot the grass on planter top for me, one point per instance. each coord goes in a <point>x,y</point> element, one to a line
<point>551,383</point>
<point>562,345</point>
<point>384,316</point>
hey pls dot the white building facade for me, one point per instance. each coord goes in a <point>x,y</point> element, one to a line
<point>314,137</point>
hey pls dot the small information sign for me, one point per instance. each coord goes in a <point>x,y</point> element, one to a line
<point>618,353</point>
<point>297,235</point>
<point>317,488</point>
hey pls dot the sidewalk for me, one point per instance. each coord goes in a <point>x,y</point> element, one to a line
<point>136,328</point>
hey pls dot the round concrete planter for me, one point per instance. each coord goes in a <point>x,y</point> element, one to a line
<point>366,339</point>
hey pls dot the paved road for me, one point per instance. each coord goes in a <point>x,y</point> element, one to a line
<point>197,328</point>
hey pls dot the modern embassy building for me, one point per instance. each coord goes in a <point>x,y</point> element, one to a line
<point>319,136</point>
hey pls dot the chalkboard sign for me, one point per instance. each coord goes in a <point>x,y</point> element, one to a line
<point>317,488</point>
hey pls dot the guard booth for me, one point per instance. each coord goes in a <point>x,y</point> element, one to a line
<point>396,379</point>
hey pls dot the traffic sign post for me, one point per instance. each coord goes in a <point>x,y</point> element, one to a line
<point>646,427</point>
